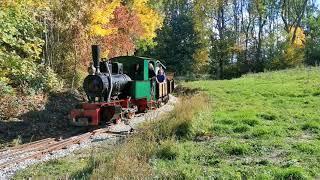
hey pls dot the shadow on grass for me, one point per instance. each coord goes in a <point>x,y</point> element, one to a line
<point>86,172</point>
<point>51,122</point>
<point>185,91</point>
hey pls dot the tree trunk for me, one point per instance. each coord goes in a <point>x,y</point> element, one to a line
<point>299,21</point>
<point>75,67</point>
<point>221,28</point>
<point>259,65</point>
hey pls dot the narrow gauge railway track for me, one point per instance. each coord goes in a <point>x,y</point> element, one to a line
<point>38,149</point>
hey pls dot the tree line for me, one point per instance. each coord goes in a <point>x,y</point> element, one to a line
<point>45,45</point>
<point>228,38</point>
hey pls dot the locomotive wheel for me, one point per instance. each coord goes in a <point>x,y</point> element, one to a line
<point>118,120</point>
<point>107,114</point>
<point>131,112</point>
<point>130,115</point>
<point>78,106</point>
<point>143,109</point>
<point>117,117</point>
<point>112,114</point>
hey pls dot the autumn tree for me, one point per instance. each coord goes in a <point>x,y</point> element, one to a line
<point>127,30</point>
<point>150,19</point>
<point>292,12</point>
<point>225,38</point>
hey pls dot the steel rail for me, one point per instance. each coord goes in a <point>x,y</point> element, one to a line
<point>38,149</point>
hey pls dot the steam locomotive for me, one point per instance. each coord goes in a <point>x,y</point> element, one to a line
<point>120,88</point>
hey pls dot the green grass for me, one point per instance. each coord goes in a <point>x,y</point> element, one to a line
<point>264,124</point>
<point>260,126</point>
<point>80,165</point>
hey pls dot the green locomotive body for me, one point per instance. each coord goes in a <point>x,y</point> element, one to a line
<point>141,84</point>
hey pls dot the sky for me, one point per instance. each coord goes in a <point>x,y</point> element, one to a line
<point>317,3</point>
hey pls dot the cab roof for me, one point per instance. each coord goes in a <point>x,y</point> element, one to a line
<point>137,58</point>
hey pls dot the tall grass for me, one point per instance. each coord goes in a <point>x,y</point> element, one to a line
<point>132,160</point>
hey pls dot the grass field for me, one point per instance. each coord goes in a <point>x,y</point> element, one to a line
<point>260,126</point>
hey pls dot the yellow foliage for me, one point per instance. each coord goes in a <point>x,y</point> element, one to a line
<point>36,5</point>
<point>101,16</point>
<point>293,52</point>
<point>97,30</point>
<point>202,59</point>
<point>300,37</point>
<point>293,56</point>
<point>150,19</point>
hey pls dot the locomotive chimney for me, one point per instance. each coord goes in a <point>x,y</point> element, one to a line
<point>96,57</point>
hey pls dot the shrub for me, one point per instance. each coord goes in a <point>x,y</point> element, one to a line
<point>241,128</point>
<point>167,151</point>
<point>312,126</point>
<point>32,79</point>
<point>235,148</point>
<point>21,37</point>
<point>9,106</point>
<point>50,79</point>
<point>251,122</point>
<point>179,122</point>
<point>78,79</point>
<point>308,148</point>
<point>5,88</point>
<point>292,173</point>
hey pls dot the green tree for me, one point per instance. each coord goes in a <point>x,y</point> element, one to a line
<point>21,48</point>
<point>312,49</point>
<point>202,53</point>
<point>177,40</point>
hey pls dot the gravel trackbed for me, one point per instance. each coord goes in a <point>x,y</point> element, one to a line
<point>112,138</point>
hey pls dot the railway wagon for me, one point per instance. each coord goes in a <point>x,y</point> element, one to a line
<point>121,87</point>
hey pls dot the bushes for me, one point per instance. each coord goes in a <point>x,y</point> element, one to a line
<point>167,151</point>
<point>312,126</point>
<point>5,88</point>
<point>49,79</point>
<point>31,79</point>
<point>293,173</point>
<point>179,123</point>
<point>235,148</point>
<point>20,49</point>
<point>38,79</point>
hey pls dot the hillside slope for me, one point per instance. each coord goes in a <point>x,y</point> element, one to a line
<point>260,126</point>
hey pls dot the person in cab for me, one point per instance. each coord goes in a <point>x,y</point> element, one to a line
<point>161,76</point>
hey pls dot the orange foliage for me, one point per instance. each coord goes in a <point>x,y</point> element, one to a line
<point>128,31</point>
